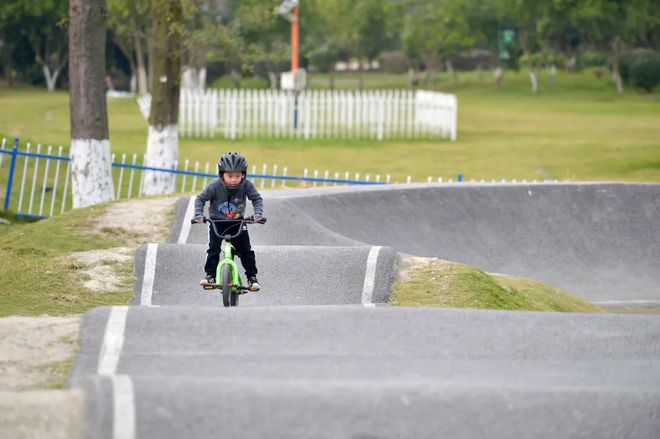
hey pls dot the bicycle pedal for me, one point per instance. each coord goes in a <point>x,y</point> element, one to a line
<point>208,287</point>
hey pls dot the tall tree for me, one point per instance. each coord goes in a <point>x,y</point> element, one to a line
<point>129,21</point>
<point>613,26</point>
<point>326,37</point>
<point>435,30</point>
<point>266,37</point>
<point>42,24</point>
<point>91,168</point>
<point>163,138</point>
<point>369,21</point>
<point>530,18</point>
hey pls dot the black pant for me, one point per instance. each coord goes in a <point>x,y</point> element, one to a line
<point>241,244</point>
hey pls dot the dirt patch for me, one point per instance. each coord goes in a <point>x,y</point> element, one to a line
<point>141,220</point>
<point>34,351</point>
<point>98,269</point>
<point>52,414</point>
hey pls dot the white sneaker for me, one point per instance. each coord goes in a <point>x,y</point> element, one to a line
<point>253,284</point>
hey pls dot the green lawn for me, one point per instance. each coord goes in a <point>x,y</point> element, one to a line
<point>35,275</point>
<point>580,129</point>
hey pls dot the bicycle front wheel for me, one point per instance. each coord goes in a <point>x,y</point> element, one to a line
<point>226,288</point>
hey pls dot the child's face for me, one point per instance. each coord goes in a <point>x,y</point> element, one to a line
<point>232,178</point>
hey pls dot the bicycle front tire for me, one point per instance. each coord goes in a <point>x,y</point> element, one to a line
<point>226,288</point>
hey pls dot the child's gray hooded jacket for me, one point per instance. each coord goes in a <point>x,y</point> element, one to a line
<point>228,203</point>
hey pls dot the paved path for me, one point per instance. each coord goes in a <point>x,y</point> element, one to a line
<point>339,365</point>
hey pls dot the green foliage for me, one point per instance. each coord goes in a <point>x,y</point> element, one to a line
<point>248,36</point>
<point>644,70</point>
<point>434,30</point>
<point>33,33</point>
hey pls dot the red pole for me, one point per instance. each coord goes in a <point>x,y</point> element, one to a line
<point>294,38</point>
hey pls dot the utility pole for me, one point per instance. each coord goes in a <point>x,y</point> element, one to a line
<point>296,79</point>
<point>294,36</point>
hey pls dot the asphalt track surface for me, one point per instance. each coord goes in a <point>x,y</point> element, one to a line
<point>318,354</point>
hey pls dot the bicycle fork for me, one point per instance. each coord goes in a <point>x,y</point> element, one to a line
<point>233,267</point>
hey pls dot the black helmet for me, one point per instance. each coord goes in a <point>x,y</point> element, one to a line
<point>232,162</point>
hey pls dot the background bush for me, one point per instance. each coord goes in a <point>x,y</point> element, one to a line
<point>644,70</point>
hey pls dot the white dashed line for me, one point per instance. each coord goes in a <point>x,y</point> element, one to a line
<point>113,341</point>
<point>123,407</point>
<point>185,225</point>
<point>149,274</point>
<point>370,277</point>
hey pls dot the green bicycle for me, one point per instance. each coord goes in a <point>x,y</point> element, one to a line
<point>227,276</point>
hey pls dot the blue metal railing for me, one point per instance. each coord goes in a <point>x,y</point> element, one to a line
<point>14,153</point>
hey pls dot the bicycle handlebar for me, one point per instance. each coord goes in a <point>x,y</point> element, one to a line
<point>237,222</point>
<point>248,220</point>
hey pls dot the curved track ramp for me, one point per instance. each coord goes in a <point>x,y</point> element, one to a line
<point>331,367</point>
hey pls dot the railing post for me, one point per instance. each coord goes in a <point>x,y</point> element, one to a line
<point>12,166</point>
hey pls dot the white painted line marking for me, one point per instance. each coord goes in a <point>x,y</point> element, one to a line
<point>149,274</point>
<point>123,407</point>
<point>113,341</point>
<point>370,277</point>
<point>185,225</point>
<point>627,302</point>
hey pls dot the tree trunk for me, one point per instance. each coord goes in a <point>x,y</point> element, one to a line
<point>131,62</point>
<point>193,78</point>
<point>51,79</point>
<point>572,63</point>
<point>163,140</point>
<point>411,78</point>
<point>429,77</point>
<point>235,78</point>
<point>141,74</point>
<point>534,79</point>
<point>91,168</point>
<point>189,78</point>
<point>616,74</point>
<point>150,57</point>
<point>272,80</point>
<point>449,66</point>
<point>201,77</point>
<point>331,79</point>
<point>553,75</point>
<point>617,45</point>
<point>499,76</point>
<point>360,75</point>
<point>142,87</point>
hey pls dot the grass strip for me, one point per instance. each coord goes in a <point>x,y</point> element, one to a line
<point>446,284</point>
<point>35,276</point>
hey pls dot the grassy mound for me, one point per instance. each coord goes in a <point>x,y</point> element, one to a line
<point>438,283</point>
<point>35,276</point>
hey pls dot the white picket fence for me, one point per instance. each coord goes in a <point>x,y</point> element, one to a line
<point>378,115</point>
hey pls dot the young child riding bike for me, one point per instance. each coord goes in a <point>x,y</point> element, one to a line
<point>227,197</point>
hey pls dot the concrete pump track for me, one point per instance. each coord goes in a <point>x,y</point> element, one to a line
<point>318,353</point>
